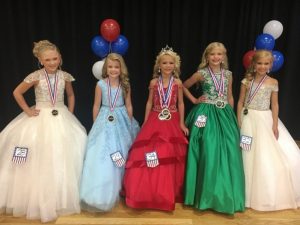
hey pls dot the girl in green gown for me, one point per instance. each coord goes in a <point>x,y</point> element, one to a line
<point>214,171</point>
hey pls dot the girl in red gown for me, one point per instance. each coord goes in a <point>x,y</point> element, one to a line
<point>155,167</point>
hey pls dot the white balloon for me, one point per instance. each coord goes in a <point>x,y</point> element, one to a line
<point>274,28</point>
<point>97,69</point>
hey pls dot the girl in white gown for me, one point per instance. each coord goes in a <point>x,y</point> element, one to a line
<point>271,156</point>
<point>42,149</point>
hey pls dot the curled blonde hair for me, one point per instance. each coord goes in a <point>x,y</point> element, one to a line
<point>167,51</point>
<point>42,46</point>
<point>124,76</point>
<point>259,54</point>
<point>208,50</point>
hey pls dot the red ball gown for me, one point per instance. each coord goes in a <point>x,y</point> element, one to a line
<point>157,184</point>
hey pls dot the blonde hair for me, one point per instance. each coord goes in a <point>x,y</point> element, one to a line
<point>259,54</point>
<point>43,45</point>
<point>208,50</point>
<point>167,51</point>
<point>124,76</point>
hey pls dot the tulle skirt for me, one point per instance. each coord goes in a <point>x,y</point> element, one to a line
<point>271,166</point>
<point>101,177</point>
<point>46,183</point>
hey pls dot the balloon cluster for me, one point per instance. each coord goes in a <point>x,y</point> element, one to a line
<point>272,30</point>
<point>109,41</point>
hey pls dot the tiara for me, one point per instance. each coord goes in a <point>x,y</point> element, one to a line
<point>166,49</point>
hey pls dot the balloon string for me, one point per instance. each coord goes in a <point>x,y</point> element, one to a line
<point>110,50</point>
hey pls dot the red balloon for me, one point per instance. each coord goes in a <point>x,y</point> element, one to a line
<point>110,30</point>
<point>247,58</point>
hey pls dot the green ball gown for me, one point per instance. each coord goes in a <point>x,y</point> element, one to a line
<point>214,173</point>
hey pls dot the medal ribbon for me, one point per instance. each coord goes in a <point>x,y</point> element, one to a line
<point>251,96</point>
<point>52,91</point>
<point>219,86</point>
<point>165,98</point>
<point>112,104</point>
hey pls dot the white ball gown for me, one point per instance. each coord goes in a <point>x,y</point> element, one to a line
<point>271,166</point>
<point>45,183</point>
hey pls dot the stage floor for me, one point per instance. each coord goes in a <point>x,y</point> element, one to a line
<point>123,215</point>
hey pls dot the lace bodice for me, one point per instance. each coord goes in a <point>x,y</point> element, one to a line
<point>104,91</point>
<point>208,87</point>
<point>41,89</point>
<point>173,101</point>
<point>262,98</point>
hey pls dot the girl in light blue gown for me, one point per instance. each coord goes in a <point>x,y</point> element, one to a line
<point>110,138</point>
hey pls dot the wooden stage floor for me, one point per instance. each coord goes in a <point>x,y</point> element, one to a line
<point>123,215</point>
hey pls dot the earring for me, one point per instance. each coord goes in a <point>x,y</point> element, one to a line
<point>159,70</point>
<point>268,71</point>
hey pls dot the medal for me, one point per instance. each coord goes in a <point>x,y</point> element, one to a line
<point>252,94</point>
<point>54,112</point>
<point>112,104</point>
<point>52,91</point>
<point>219,86</point>
<point>165,114</point>
<point>220,103</point>
<point>111,118</point>
<point>165,99</point>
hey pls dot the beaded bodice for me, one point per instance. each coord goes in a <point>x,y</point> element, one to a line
<point>262,99</point>
<point>41,90</point>
<point>207,84</point>
<point>173,100</point>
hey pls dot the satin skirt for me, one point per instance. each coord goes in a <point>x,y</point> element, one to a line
<point>271,166</point>
<point>158,187</point>
<point>214,171</point>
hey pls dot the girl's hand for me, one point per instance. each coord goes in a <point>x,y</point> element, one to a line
<point>32,112</point>
<point>275,132</point>
<point>200,99</point>
<point>184,129</point>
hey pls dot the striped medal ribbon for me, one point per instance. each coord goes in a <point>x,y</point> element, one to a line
<point>112,104</point>
<point>52,90</point>
<point>252,94</point>
<point>165,99</point>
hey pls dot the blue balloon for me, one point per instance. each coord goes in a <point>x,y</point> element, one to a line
<point>278,61</point>
<point>100,46</point>
<point>265,41</point>
<point>120,45</point>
